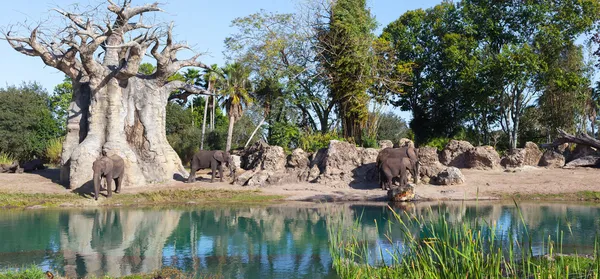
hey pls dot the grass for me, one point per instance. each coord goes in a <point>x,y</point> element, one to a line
<point>6,158</point>
<point>575,196</point>
<point>435,248</point>
<point>54,151</point>
<point>150,198</point>
<point>36,273</point>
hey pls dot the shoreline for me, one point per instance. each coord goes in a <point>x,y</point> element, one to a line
<point>38,190</point>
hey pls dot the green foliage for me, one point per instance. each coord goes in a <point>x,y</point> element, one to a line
<point>54,150</point>
<point>6,158</point>
<point>314,142</point>
<point>369,141</point>
<point>26,122</point>
<point>32,272</point>
<point>391,127</point>
<point>60,100</point>
<point>438,143</point>
<point>146,69</point>
<point>284,134</point>
<point>347,42</point>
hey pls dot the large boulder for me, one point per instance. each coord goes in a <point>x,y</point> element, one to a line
<point>585,161</point>
<point>455,154</point>
<point>236,162</point>
<point>533,154</point>
<point>10,168</point>
<point>343,164</point>
<point>430,164</point>
<point>261,156</point>
<point>298,159</point>
<point>449,176</point>
<point>402,194</point>
<point>514,158</point>
<point>552,159</point>
<point>405,142</point>
<point>385,144</point>
<point>581,151</point>
<point>483,158</point>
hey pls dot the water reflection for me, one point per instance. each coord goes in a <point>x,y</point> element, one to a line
<point>281,241</point>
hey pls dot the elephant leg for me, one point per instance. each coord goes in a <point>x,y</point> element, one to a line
<point>118,184</point>
<point>192,177</point>
<point>213,168</point>
<point>109,181</point>
<point>221,172</point>
<point>389,177</point>
<point>97,189</point>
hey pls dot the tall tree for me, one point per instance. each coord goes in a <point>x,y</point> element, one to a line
<point>211,77</point>
<point>345,43</point>
<point>60,101</point>
<point>114,110</point>
<point>235,89</point>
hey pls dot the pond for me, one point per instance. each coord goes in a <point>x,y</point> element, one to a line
<point>275,241</point>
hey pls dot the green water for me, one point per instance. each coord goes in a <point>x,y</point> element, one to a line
<point>280,241</point>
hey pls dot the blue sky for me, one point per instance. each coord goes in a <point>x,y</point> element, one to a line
<point>202,23</point>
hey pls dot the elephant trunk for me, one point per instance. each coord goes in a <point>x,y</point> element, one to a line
<point>417,173</point>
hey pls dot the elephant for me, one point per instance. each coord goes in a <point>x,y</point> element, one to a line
<point>111,168</point>
<point>212,159</point>
<point>403,152</point>
<point>393,167</point>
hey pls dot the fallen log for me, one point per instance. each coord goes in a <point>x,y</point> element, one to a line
<point>564,137</point>
<point>585,161</point>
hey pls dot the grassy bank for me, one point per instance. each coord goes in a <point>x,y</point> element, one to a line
<point>434,248</point>
<point>37,273</point>
<point>591,196</point>
<point>163,197</point>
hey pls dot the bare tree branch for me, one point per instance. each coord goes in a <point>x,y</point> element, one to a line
<point>188,90</point>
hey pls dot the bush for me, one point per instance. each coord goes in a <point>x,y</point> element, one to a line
<point>314,142</point>
<point>369,141</point>
<point>186,143</point>
<point>54,150</point>
<point>6,158</point>
<point>438,143</point>
<point>285,135</point>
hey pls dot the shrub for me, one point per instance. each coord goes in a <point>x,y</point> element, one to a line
<point>54,150</point>
<point>6,158</point>
<point>285,135</point>
<point>314,142</point>
<point>438,143</point>
<point>186,142</point>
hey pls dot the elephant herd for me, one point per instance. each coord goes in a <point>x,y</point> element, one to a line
<point>391,163</point>
<point>112,168</point>
<point>395,162</point>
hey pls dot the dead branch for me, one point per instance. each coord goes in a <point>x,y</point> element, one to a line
<point>564,137</point>
<point>188,90</point>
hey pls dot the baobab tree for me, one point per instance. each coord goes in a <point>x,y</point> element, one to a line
<point>114,109</point>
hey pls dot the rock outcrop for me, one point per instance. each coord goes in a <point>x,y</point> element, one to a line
<point>581,151</point>
<point>430,163</point>
<point>11,168</point>
<point>405,142</point>
<point>585,161</point>
<point>483,158</point>
<point>385,144</point>
<point>552,159</point>
<point>533,154</point>
<point>449,176</point>
<point>455,154</point>
<point>514,158</point>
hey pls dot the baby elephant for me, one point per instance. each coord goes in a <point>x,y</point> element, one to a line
<point>213,159</point>
<point>109,167</point>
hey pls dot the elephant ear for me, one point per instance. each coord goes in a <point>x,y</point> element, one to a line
<point>219,156</point>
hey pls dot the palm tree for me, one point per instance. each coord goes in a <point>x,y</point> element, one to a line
<point>210,76</point>
<point>235,90</point>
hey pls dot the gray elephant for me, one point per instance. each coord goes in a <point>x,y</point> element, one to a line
<point>213,159</point>
<point>111,168</point>
<point>397,153</point>
<point>394,167</point>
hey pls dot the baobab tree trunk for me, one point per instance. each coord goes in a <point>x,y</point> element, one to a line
<point>114,109</point>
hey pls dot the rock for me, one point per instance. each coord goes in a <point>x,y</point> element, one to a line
<point>483,158</point>
<point>251,157</point>
<point>341,159</point>
<point>585,161</point>
<point>35,164</point>
<point>449,176</point>
<point>298,159</point>
<point>259,179</point>
<point>237,162</point>
<point>552,159</point>
<point>12,168</point>
<point>430,163</point>
<point>261,156</point>
<point>274,159</point>
<point>405,142</point>
<point>533,154</point>
<point>368,155</point>
<point>454,154</point>
<point>402,194</point>
<point>514,159</point>
<point>582,151</point>
<point>244,177</point>
<point>313,174</point>
<point>385,144</point>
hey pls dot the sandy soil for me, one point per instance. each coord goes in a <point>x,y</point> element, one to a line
<point>479,184</point>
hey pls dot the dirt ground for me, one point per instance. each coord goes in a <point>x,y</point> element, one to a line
<point>479,185</point>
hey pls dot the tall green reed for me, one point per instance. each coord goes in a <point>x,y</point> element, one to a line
<point>433,247</point>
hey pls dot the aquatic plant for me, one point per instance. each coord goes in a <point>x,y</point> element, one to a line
<point>433,247</point>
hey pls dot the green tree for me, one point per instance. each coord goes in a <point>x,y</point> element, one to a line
<point>234,88</point>
<point>391,127</point>
<point>60,101</point>
<point>346,45</point>
<point>26,122</point>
